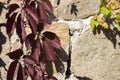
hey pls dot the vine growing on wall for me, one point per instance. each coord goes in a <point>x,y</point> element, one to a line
<point>109,13</point>
<point>32,15</point>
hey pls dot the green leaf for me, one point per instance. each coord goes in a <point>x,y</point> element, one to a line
<point>118,15</point>
<point>93,23</point>
<point>105,11</point>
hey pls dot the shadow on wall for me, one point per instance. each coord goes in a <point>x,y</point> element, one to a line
<point>61,57</point>
<point>2,38</point>
<point>110,33</point>
<point>2,6</point>
<point>74,9</point>
<point>2,64</point>
<point>83,78</point>
<point>58,2</point>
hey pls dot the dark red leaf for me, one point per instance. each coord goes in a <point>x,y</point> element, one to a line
<point>48,50</point>
<point>20,29</point>
<point>38,73</point>
<point>52,39</point>
<point>10,25</point>
<point>47,5</point>
<point>42,66</point>
<point>12,8</point>
<point>29,60</point>
<point>46,25</point>
<point>36,50</point>
<point>30,41</point>
<point>21,74</point>
<point>50,78</point>
<point>32,13</point>
<point>30,69</point>
<point>13,70</point>
<point>34,71</point>
<point>43,13</point>
<point>15,54</point>
<point>27,2</point>
<point>32,23</point>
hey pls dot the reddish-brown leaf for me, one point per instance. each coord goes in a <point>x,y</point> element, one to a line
<point>21,74</point>
<point>52,39</point>
<point>32,24</point>
<point>43,13</point>
<point>29,60</point>
<point>10,25</point>
<point>46,25</point>
<point>50,78</point>
<point>30,41</point>
<point>30,69</point>
<point>13,70</point>
<point>20,29</point>
<point>31,13</point>
<point>15,54</point>
<point>47,5</point>
<point>38,73</point>
<point>12,8</point>
<point>48,50</point>
<point>36,50</point>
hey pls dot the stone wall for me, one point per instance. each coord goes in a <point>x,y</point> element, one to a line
<point>92,55</point>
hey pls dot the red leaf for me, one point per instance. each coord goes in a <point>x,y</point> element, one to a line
<point>13,70</point>
<point>50,78</point>
<point>12,8</point>
<point>38,73</point>
<point>36,50</point>
<point>47,5</point>
<point>43,13</point>
<point>34,71</point>
<point>20,29</point>
<point>21,74</point>
<point>15,54</point>
<point>10,25</point>
<point>46,25</point>
<point>52,39</point>
<point>30,69</point>
<point>48,50</point>
<point>32,13</point>
<point>29,60</point>
<point>32,23</point>
<point>30,41</point>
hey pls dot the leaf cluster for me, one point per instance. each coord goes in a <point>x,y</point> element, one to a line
<point>108,10</point>
<point>31,15</point>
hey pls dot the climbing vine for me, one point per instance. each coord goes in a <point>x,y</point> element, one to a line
<point>109,13</point>
<point>31,15</point>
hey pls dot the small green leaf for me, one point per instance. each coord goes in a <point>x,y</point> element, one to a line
<point>118,15</point>
<point>93,23</point>
<point>105,11</point>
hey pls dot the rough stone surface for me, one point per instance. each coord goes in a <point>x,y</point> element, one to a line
<point>4,49</point>
<point>97,56</point>
<point>75,9</point>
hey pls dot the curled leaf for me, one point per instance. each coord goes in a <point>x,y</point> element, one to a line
<point>48,50</point>
<point>15,54</point>
<point>20,29</point>
<point>52,39</point>
<point>13,70</point>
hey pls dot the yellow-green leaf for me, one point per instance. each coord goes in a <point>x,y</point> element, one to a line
<point>93,23</point>
<point>105,11</point>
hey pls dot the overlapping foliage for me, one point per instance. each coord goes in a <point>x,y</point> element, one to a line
<point>109,10</point>
<point>32,14</point>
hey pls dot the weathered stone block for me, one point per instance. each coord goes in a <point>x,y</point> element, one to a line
<point>75,9</point>
<point>97,56</point>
